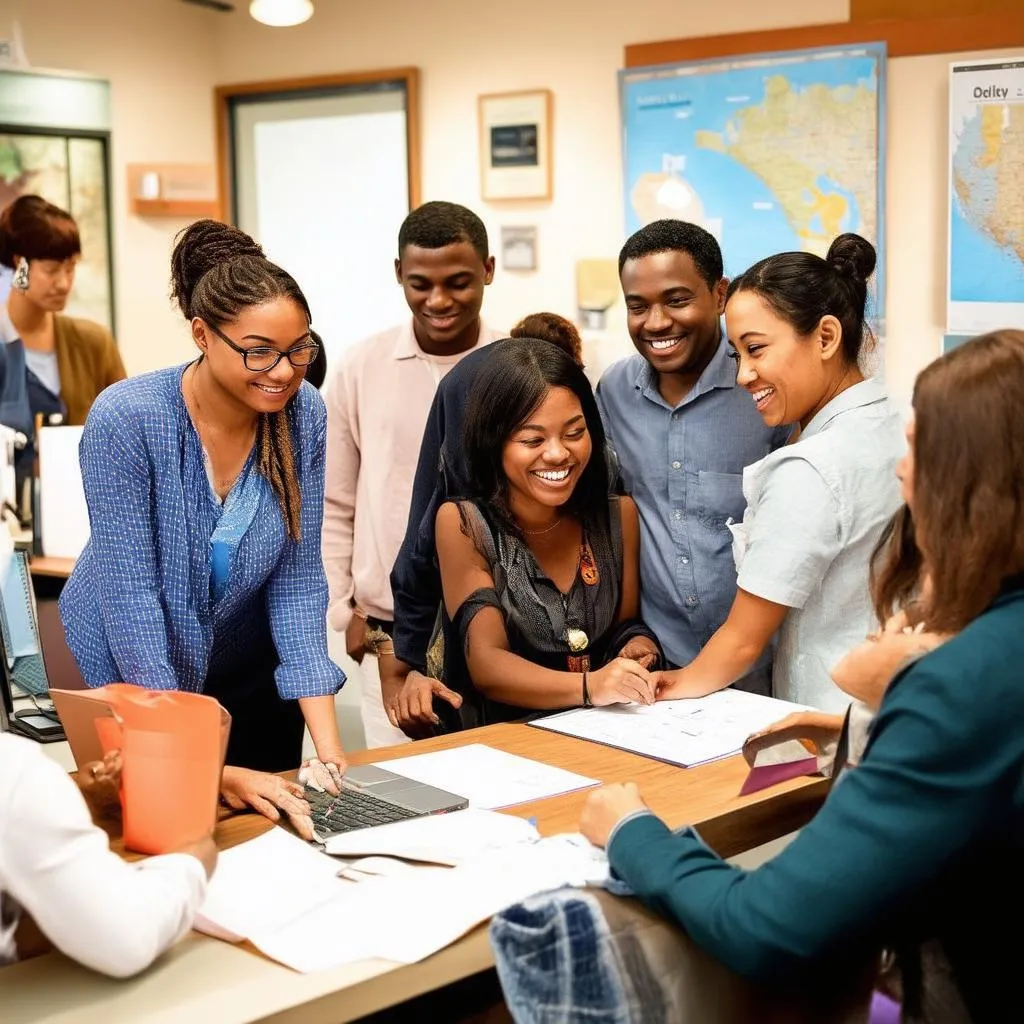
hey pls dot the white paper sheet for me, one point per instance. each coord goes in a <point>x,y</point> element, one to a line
<point>406,917</point>
<point>437,839</point>
<point>682,732</point>
<point>488,778</point>
<point>264,883</point>
<point>64,517</point>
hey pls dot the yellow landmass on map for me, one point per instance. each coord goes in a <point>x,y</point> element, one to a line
<point>709,140</point>
<point>793,139</point>
<point>992,117</point>
<point>658,195</point>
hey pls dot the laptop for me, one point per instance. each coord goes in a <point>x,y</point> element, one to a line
<point>34,654</point>
<point>374,796</point>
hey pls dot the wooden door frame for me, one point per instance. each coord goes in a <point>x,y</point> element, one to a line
<point>408,77</point>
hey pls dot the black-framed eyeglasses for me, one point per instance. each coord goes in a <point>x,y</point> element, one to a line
<point>262,358</point>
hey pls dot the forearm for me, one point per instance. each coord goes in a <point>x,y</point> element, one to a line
<point>726,657</point>
<point>321,717</point>
<point>503,676</point>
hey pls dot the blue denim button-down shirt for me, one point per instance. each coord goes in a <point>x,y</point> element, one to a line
<point>138,607</point>
<point>684,469</point>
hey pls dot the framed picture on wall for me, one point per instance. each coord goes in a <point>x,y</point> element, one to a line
<point>515,145</point>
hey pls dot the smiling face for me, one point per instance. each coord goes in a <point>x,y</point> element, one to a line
<point>546,454</point>
<point>671,312</point>
<point>444,288</point>
<point>790,378</point>
<point>280,325</point>
<point>50,282</point>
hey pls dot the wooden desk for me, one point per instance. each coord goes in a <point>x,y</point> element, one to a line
<point>204,980</point>
<point>55,568</point>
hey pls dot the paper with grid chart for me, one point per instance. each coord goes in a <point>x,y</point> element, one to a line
<point>685,732</point>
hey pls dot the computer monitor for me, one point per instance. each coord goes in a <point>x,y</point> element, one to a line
<point>23,664</point>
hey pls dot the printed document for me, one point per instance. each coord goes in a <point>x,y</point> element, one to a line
<point>685,732</point>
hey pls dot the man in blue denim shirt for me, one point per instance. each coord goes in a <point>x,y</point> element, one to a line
<point>683,433</point>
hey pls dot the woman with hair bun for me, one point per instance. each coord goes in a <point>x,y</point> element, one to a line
<point>51,363</point>
<point>205,487</point>
<point>816,507</point>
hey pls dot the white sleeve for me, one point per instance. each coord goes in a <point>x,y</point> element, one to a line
<point>793,537</point>
<point>112,916</point>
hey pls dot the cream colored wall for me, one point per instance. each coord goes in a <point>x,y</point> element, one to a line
<point>161,59</point>
<point>572,48</point>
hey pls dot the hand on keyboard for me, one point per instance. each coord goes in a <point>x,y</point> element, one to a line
<point>324,778</point>
<point>268,794</point>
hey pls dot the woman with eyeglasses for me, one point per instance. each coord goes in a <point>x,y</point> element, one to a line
<point>205,488</point>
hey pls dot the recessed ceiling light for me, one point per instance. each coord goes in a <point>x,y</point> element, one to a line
<point>281,13</point>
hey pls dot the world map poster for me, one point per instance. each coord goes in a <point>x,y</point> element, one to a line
<point>986,196</point>
<point>770,153</point>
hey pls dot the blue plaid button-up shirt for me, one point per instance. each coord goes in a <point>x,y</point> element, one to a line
<point>138,607</point>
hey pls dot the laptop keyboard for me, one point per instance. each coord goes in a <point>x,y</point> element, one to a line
<point>352,810</point>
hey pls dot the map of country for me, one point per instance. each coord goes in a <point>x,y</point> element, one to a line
<point>987,166</point>
<point>771,153</point>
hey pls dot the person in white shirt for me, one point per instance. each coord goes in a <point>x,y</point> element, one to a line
<point>57,868</point>
<point>817,506</point>
<point>378,400</point>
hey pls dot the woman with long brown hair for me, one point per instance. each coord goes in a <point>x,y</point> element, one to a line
<point>205,487</point>
<point>923,841</point>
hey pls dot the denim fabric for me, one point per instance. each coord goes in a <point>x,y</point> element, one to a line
<point>559,964</point>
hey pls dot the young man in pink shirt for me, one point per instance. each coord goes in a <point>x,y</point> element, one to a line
<point>377,405</point>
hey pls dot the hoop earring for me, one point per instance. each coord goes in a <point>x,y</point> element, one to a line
<point>20,279</point>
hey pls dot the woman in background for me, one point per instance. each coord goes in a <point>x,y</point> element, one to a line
<point>539,564</point>
<point>205,487</point>
<point>51,363</point>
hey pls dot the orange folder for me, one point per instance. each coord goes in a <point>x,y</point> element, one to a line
<point>172,747</point>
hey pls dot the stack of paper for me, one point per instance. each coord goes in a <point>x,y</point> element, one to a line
<point>309,920</point>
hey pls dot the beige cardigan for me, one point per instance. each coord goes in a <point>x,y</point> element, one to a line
<point>88,361</point>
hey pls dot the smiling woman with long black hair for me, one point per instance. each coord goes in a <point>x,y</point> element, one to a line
<point>539,565</point>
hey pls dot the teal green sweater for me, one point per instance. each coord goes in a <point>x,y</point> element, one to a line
<point>923,838</point>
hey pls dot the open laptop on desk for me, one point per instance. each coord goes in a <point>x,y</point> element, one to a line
<point>374,796</point>
<point>33,653</point>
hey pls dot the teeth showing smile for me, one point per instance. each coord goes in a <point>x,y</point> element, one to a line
<point>267,389</point>
<point>663,344</point>
<point>762,395</point>
<point>553,475</point>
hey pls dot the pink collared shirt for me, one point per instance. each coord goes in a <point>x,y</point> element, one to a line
<point>377,400</point>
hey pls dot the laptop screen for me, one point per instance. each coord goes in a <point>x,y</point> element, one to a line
<point>19,629</point>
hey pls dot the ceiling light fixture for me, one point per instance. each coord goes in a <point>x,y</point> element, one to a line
<point>281,13</point>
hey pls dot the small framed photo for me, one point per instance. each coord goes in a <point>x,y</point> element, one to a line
<point>519,248</point>
<point>515,145</point>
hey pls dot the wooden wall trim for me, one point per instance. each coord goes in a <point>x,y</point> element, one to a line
<point>223,94</point>
<point>912,37</point>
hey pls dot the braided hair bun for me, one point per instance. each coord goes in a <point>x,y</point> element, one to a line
<point>198,249</point>
<point>853,257</point>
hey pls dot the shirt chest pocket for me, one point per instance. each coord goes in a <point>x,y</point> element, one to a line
<point>719,497</point>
